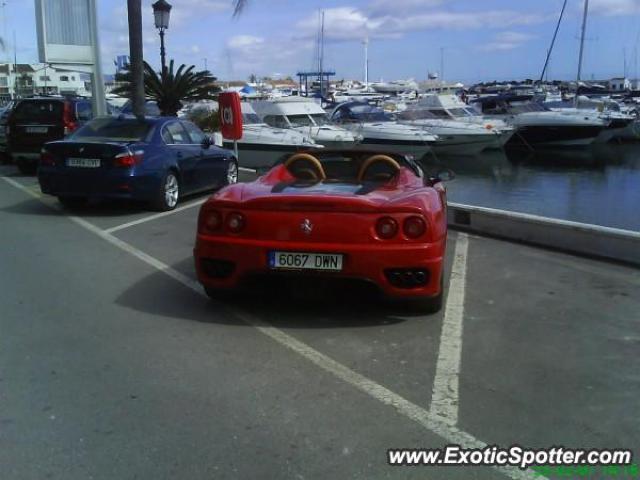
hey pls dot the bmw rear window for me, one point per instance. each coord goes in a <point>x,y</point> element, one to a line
<point>39,111</point>
<point>110,129</point>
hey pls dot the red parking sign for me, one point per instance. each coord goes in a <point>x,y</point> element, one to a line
<point>230,115</point>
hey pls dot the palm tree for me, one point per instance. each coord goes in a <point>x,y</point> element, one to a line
<point>170,89</point>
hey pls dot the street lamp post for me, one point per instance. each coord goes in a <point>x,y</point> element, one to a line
<point>161,12</point>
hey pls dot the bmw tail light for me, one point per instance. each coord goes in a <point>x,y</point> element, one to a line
<point>128,159</point>
<point>235,222</point>
<point>386,227</point>
<point>414,227</point>
<point>46,158</point>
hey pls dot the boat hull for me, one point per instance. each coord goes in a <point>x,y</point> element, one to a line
<point>261,155</point>
<point>417,148</point>
<point>466,145</point>
<point>570,135</point>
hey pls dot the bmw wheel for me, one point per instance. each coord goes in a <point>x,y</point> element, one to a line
<point>232,172</point>
<point>169,192</point>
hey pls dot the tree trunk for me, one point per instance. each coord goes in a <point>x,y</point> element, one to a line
<point>135,54</point>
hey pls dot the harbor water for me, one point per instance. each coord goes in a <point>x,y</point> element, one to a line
<point>597,185</point>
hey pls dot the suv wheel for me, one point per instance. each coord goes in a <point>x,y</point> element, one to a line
<point>25,167</point>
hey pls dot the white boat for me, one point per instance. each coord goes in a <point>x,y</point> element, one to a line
<point>262,145</point>
<point>306,117</point>
<point>448,106</point>
<point>395,87</point>
<point>380,132</point>
<point>454,137</point>
<point>622,126</point>
<point>537,125</point>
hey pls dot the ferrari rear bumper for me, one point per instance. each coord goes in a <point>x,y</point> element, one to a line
<point>409,271</point>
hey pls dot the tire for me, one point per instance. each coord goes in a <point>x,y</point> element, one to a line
<point>26,168</point>
<point>72,202</point>
<point>168,193</point>
<point>232,173</point>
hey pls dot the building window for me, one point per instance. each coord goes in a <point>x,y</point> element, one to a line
<point>73,79</point>
<point>64,78</point>
<point>46,78</point>
<point>4,82</point>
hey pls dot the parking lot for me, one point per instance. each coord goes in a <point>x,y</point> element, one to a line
<point>114,364</point>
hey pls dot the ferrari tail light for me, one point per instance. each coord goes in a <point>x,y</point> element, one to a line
<point>211,221</point>
<point>386,227</point>
<point>128,159</point>
<point>46,158</point>
<point>68,119</point>
<point>414,227</point>
<point>235,222</point>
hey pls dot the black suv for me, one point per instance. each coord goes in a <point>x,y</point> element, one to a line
<point>36,121</point>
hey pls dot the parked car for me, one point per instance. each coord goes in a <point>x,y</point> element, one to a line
<point>156,160</point>
<point>333,214</point>
<point>35,121</point>
<point>4,116</point>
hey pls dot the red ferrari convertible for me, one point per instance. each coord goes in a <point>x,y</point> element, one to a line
<point>347,214</point>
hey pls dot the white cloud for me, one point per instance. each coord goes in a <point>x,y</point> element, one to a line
<point>252,54</point>
<point>506,41</point>
<point>383,7</point>
<point>349,23</point>
<point>189,10</point>
<point>614,7</point>
<point>341,23</point>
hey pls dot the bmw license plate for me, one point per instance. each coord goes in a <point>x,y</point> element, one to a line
<point>305,261</point>
<point>83,162</point>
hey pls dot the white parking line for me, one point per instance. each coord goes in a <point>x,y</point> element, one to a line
<point>153,217</point>
<point>247,170</point>
<point>410,410</point>
<point>444,397</point>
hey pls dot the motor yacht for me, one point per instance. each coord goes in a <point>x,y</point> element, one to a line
<point>450,107</point>
<point>379,131</point>
<point>307,117</point>
<point>540,126</point>
<point>262,145</point>
<point>454,137</point>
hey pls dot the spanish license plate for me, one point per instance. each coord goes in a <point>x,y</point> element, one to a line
<point>305,261</point>
<point>36,129</point>
<point>83,162</point>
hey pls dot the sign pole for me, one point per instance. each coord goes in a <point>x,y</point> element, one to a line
<point>97,84</point>
<point>235,149</point>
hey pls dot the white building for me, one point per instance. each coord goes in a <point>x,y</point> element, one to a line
<point>619,84</point>
<point>25,79</point>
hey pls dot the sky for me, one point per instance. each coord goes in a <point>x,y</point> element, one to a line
<point>477,40</point>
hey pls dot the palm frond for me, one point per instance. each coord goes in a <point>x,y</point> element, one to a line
<point>171,87</point>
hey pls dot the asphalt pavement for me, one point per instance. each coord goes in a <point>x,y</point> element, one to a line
<point>113,363</point>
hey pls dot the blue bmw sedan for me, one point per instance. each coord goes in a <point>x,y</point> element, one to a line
<point>156,160</point>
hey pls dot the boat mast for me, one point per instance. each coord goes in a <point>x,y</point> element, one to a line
<point>321,59</point>
<point>366,62</point>
<point>553,41</point>
<point>584,29</point>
